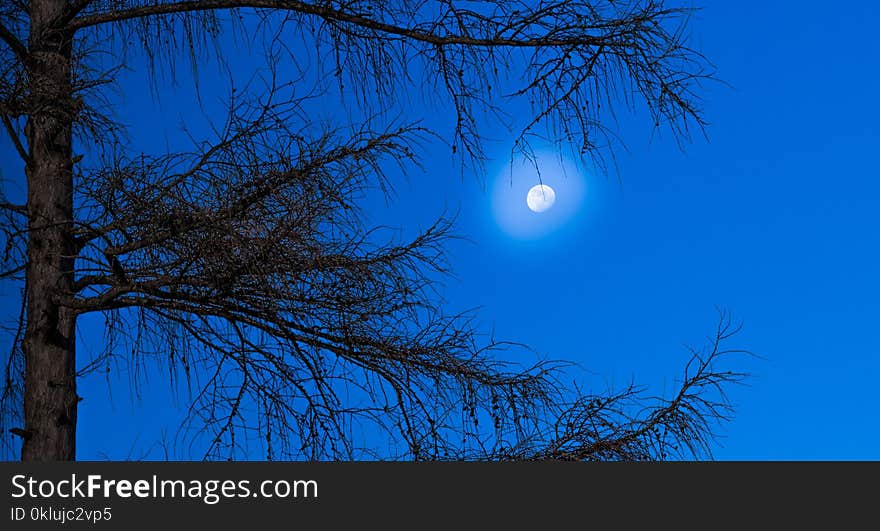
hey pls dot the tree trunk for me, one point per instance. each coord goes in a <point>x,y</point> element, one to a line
<point>50,399</point>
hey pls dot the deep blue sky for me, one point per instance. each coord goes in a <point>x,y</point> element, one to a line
<point>774,218</point>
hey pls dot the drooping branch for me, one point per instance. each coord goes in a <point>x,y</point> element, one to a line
<point>13,42</point>
<point>13,136</point>
<point>577,56</point>
<point>341,15</point>
<point>627,425</point>
<point>18,209</point>
<point>12,272</point>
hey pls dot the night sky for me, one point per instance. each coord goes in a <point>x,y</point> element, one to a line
<point>772,217</point>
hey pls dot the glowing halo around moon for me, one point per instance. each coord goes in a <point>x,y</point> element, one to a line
<point>555,191</point>
<point>540,198</point>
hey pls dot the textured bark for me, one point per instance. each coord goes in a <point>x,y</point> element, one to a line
<point>50,399</point>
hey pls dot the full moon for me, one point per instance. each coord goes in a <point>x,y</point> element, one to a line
<point>540,198</point>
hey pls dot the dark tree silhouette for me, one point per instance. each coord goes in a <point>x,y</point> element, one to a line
<point>245,261</point>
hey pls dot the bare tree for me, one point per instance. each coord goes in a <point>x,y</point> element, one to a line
<point>245,262</point>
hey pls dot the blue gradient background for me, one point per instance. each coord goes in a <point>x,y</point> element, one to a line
<point>775,218</point>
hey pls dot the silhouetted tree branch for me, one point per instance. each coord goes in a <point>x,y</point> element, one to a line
<point>12,41</point>
<point>578,55</point>
<point>246,265</point>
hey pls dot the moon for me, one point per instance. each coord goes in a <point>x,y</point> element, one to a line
<point>540,198</point>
